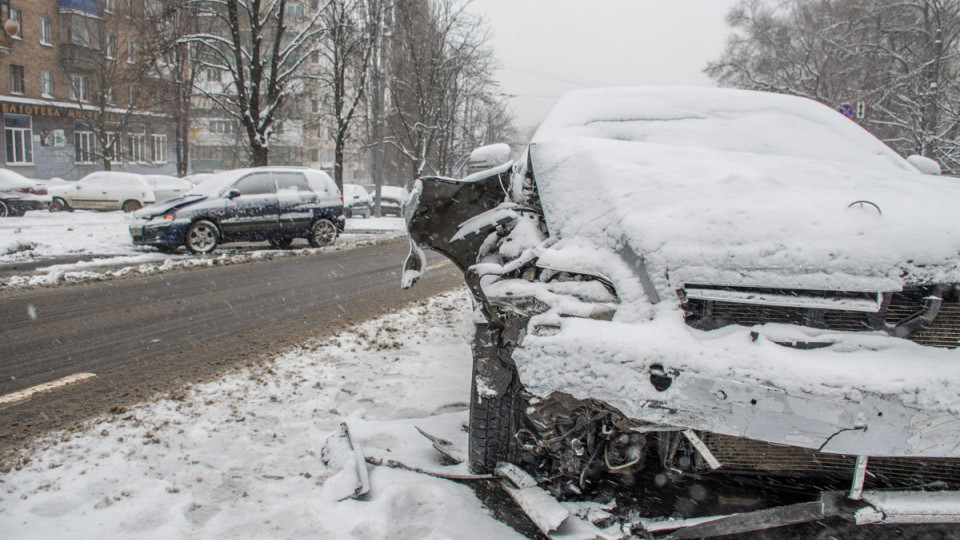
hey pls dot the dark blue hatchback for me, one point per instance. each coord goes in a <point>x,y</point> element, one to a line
<point>276,204</point>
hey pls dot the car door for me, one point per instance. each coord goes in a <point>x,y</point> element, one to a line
<point>251,210</point>
<point>297,201</point>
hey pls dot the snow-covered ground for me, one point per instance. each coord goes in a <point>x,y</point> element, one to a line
<point>244,457</point>
<point>102,241</point>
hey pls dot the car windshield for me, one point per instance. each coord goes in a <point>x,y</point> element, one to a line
<point>729,121</point>
<point>217,183</point>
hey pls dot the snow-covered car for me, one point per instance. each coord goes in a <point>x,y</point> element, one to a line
<point>356,201</point>
<point>680,290</point>
<point>276,204</point>
<point>19,194</point>
<point>392,199</point>
<point>103,190</point>
<point>167,187</point>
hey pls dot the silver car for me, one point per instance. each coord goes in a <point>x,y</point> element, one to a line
<point>734,309</point>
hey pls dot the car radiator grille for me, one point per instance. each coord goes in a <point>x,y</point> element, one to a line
<point>943,332</point>
<point>748,456</point>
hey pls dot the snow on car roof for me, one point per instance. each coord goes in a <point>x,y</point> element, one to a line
<point>739,187</point>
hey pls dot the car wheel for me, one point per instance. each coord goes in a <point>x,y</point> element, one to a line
<point>202,237</point>
<point>131,206</point>
<point>4,209</point>
<point>322,233</point>
<point>348,212</point>
<point>281,243</point>
<point>495,415</point>
<point>59,205</point>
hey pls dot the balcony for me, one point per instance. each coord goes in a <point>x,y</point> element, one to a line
<point>79,57</point>
<point>92,8</point>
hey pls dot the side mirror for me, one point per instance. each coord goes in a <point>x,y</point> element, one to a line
<point>924,164</point>
<point>233,193</point>
<point>487,157</point>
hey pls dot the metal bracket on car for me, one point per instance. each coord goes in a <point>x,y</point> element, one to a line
<point>637,263</point>
<point>923,318</point>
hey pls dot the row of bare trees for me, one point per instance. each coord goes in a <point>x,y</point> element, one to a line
<point>272,58</point>
<point>900,58</point>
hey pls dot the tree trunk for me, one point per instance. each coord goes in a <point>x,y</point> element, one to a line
<point>260,157</point>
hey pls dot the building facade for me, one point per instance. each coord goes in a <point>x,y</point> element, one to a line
<point>76,95</point>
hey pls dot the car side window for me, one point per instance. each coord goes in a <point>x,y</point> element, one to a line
<point>258,183</point>
<point>292,180</point>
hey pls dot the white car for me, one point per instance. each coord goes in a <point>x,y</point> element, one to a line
<point>19,194</point>
<point>356,201</point>
<point>392,199</point>
<point>710,303</point>
<point>168,187</point>
<point>103,190</point>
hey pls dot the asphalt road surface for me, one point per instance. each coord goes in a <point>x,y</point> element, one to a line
<point>125,340</point>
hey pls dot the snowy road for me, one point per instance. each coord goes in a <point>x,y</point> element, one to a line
<point>163,328</point>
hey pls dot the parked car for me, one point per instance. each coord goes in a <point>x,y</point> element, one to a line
<point>103,190</point>
<point>687,289</point>
<point>167,187</point>
<point>19,194</point>
<point>356,201</point>
<point>392,199</point>
<point>276,204</point>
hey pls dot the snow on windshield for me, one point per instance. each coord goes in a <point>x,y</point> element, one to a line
<point>215,184</point>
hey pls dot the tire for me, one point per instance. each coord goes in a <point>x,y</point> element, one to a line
<point>4,209</point>
<point>202,237</point>
<point>494,417</point>
<point>281,243</point>
<point>348,212</point>
<point>322,233</point>
<point>59,205</point>
<point>131,206</point>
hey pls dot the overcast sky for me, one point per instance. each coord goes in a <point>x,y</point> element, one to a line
<point>546,47</point>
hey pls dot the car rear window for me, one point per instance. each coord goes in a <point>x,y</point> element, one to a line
<point>292,180</point>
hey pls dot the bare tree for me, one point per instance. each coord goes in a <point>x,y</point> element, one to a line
<point>109,82</point>
<point>440,75</point>
<point>344,55</point>
<point>262,54</point>
<point>900,58</point>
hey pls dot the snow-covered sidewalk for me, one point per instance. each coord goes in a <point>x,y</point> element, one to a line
<point>243,457</point>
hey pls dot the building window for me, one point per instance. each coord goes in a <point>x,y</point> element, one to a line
<point>111,47</point>
<point>131,94</point>
<point>158,148</point>
<point>46,83</point>
<point>294,9</point>
<point>213,75</point>
<point>46,31</point>
<point>108,5</point>
<point>131,52</point>
<point>221,126</point>
<point>84,145</point>
<point>315,57</point>
<point>78,88</point>
<point>18,135</point>
<point>108,93</point>
<point>15,16</point>
<point>315,105</point>
<point>135,147</point>
<point>129,8</point>
<point>16,79</point>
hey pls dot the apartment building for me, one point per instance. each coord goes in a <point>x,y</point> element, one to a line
<point>76,91</point>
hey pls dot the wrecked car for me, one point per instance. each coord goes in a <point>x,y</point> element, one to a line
<point>677,286</point>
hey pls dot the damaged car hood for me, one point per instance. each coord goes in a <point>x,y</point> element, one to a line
<point>708,194</point>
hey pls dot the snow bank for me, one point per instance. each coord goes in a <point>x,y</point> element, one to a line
<point>243,457</point>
